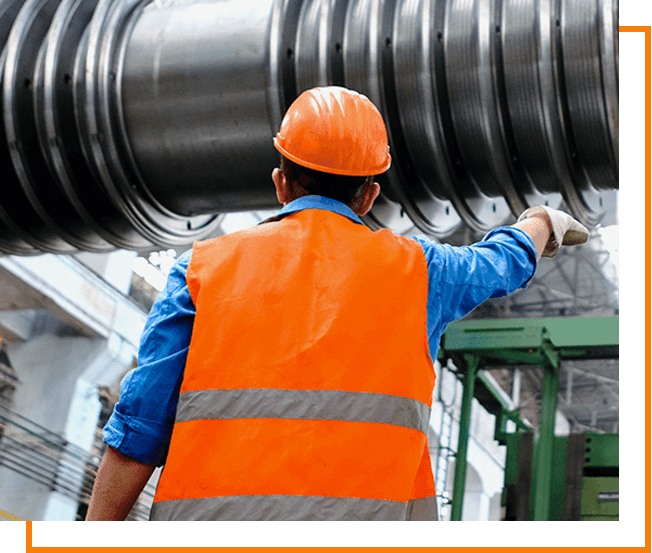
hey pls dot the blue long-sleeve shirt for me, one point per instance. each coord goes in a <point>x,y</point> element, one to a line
<point>459,279</point>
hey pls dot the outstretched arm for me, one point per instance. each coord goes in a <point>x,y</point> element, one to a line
<point>537,229</point>
<point>461,278</point>
<point>120,479</point>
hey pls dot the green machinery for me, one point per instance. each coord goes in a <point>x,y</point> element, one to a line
<point>584,483</point>
<point>550,478</point>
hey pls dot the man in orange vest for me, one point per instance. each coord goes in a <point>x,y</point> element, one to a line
<point>285,372</point>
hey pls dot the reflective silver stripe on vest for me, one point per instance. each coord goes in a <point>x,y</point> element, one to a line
<point>291,507</point>
<point>303,404</point>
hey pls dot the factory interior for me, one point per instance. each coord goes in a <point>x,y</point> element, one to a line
<point>132,128</point>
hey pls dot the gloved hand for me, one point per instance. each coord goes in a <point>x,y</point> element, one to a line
<point>566,231</point>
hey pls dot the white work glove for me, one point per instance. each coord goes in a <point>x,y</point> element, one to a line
<point>566,231</point>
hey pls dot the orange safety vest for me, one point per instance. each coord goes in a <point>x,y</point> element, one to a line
<point>308,385</point>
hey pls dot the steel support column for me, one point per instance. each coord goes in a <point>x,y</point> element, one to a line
<point>543,454</point>
<point>459,484</point>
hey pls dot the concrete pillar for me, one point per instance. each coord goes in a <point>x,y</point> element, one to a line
<point>48,367</point>
<point>495,509</point>
<point>58,380</point>
<point>476,502</point>
<point>80,428</point>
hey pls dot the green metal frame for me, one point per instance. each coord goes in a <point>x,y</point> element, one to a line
<point>459,483</point>
<point>592,507</point>
<point>537,342</point>
<point>584,465</point>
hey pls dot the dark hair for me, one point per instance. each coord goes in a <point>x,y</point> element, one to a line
<point>338,187</point>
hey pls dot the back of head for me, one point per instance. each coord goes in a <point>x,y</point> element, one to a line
<point>329,132</point>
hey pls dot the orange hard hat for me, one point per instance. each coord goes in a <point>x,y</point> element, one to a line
<point>335,130</point>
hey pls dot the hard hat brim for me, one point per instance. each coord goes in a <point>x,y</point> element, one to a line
<point>334,171</point>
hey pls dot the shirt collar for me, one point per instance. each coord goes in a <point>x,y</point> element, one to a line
<point>315,202</point>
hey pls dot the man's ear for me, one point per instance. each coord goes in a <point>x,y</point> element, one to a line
<point>281,184</point>
<point>362,203</point>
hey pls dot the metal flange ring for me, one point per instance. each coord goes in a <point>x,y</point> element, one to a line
<point>60,142</point>
<point>369,56</point>
<point>105,136</point>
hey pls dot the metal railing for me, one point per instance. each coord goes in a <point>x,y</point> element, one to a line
<point>36,453</point>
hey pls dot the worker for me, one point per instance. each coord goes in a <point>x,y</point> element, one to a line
<point>286,370</point>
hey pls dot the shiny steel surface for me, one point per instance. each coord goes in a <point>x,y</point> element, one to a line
<point>60,141</point>
<point>319,44</point>
<point>590,77</point>
<point>29,183</point>
<point>201,106</point>
<point>134,123</point>
<point>101,120</point>
<point>429,190</point>
<point>469,53</point>
<point>12,236</point>
<point>369,68</point>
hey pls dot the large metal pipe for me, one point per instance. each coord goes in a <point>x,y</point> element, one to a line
<point>131,123</point>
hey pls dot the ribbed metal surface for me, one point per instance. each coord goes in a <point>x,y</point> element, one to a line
<point>130,123</point>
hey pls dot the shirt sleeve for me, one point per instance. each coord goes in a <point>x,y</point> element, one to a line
<point>141,423</point>
<point>461,278</point>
